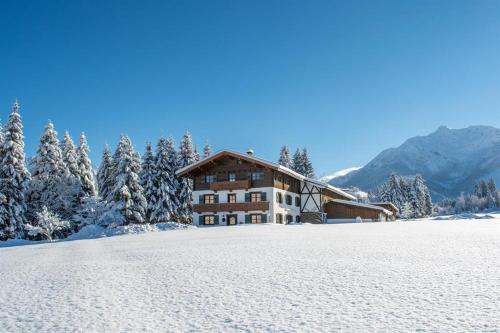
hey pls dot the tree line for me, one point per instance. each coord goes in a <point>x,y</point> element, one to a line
<point>409,194</point>
<point>485,196</point>
<point>59,193</point>
<point>300,162</point>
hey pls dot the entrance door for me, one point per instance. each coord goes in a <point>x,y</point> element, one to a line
<point>232,219</point>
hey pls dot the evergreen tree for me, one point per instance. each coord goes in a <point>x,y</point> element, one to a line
<point>307,165</point>
<point>147,178</point>
<point>164,202</point>
<point>127,192</point>
<point>207,150</point>
<point>86,171</point>
<point>69,155</point>
<point>185,193</point>
<point>51,185</point>
<point>14,178</point>
<point>105,175</point>
<point>196,154</point>
<point>285,159</point>
<point>407,211</point>
<point>297,164</point>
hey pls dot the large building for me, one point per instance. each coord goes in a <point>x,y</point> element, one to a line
<point>231,188</point>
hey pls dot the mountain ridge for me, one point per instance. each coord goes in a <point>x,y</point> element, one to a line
<point>450,160</point>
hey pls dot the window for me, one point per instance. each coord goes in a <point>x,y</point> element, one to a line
<point>209,198</point>
<point>297,219</point>
<point>208,219</point>
<point>257,175</point>
<point>297,201</point>
<point>289,219</point>
<point>256,218</point>
<point>279,218</point>
<point>255,196</point>
<point>279,197</point>
<point>288,199</point>
<point>231,198</point>
<point>210,178</point>
<point>231,177</point>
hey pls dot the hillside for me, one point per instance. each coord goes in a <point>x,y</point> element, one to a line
<point>450,160</point>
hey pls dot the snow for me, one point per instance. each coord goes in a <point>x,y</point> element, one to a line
<point>439,276</point>
<point>338,174</point>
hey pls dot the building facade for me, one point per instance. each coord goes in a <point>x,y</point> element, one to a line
<point>231,188</point>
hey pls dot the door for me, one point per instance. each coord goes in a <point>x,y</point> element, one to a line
<point>232,219</point>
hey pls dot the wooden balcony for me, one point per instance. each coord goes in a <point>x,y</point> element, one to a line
<point>227,185</point>
<point>231,207</point>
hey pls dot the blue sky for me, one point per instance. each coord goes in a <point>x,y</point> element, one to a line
<point>346,79</point>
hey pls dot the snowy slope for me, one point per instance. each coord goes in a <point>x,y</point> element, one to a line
<point>450,160</point>
<point>390,277</point>
<point>340,173</point>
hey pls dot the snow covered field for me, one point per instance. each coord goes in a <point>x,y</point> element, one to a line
<point>414,276</point>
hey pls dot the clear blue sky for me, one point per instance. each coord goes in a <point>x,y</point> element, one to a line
<point>346,79</point>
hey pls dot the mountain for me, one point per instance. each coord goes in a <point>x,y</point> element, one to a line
<point>450,160</point>
<point>338,174</point>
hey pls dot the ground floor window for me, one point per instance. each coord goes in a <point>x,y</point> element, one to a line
<point>279,218</point>
<point>289,219</point>
<point>297,219</point>
<point>256,218</point>
<point>209,219</point>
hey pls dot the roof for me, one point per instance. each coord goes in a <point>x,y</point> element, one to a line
<point>360,204</point>
<point>184,171</point>
<point>385,203</point>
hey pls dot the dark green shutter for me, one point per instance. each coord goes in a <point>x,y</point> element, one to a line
<point>216,219</point>
<point>263,196</point>
<point>216,198</point>
<point>247,218</point>
<point>247,197</point>
<point>200,199</point>
<point>263,218</point>
<point>200,219</point>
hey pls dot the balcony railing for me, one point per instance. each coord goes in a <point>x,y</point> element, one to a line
<point>227,185</point>
<point>231,207</point>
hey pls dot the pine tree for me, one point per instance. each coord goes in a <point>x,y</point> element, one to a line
<point>307,165</point>
<point>14,178</point>
<point>147,178</point>
<point>297,162</point>
<point>418,197</point>
<point>285,159</point>
<point>105,175</point>
<point>51,185</point>
<point>127,192</point>
<point>407,211</point>
<point>185,193</point>
<point>69,155</point>
<point>85,165</point>
<point>164,202</point>
<point>207,150</point>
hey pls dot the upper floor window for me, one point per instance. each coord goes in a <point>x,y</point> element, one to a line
<point>297,201</point>
<point>231,177</point>
<point>209,198</point>
<point>288,199</point>
<point>210,178</point>
<point>279,197</point>
<point>231,198</point>
<point>257,175</point>
<point>255,196</point>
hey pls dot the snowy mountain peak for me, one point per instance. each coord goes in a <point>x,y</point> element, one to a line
<point>450,160</point>
<point>339,173</point>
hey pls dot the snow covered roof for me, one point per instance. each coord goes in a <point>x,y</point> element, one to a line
<point>360,204</point>
<point>184,171</point>
<point>385,203</point>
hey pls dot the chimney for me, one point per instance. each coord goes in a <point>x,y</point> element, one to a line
<point>250,152</point>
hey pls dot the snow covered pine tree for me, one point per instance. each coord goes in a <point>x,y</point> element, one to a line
<point>14,178</point>
<point>186,157</point>
<point>207,150</point>
<point>146,176</point>
<point>285,159</point>
<point>127,194</point>
<point>85,165</point>
<point>105,174</point>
